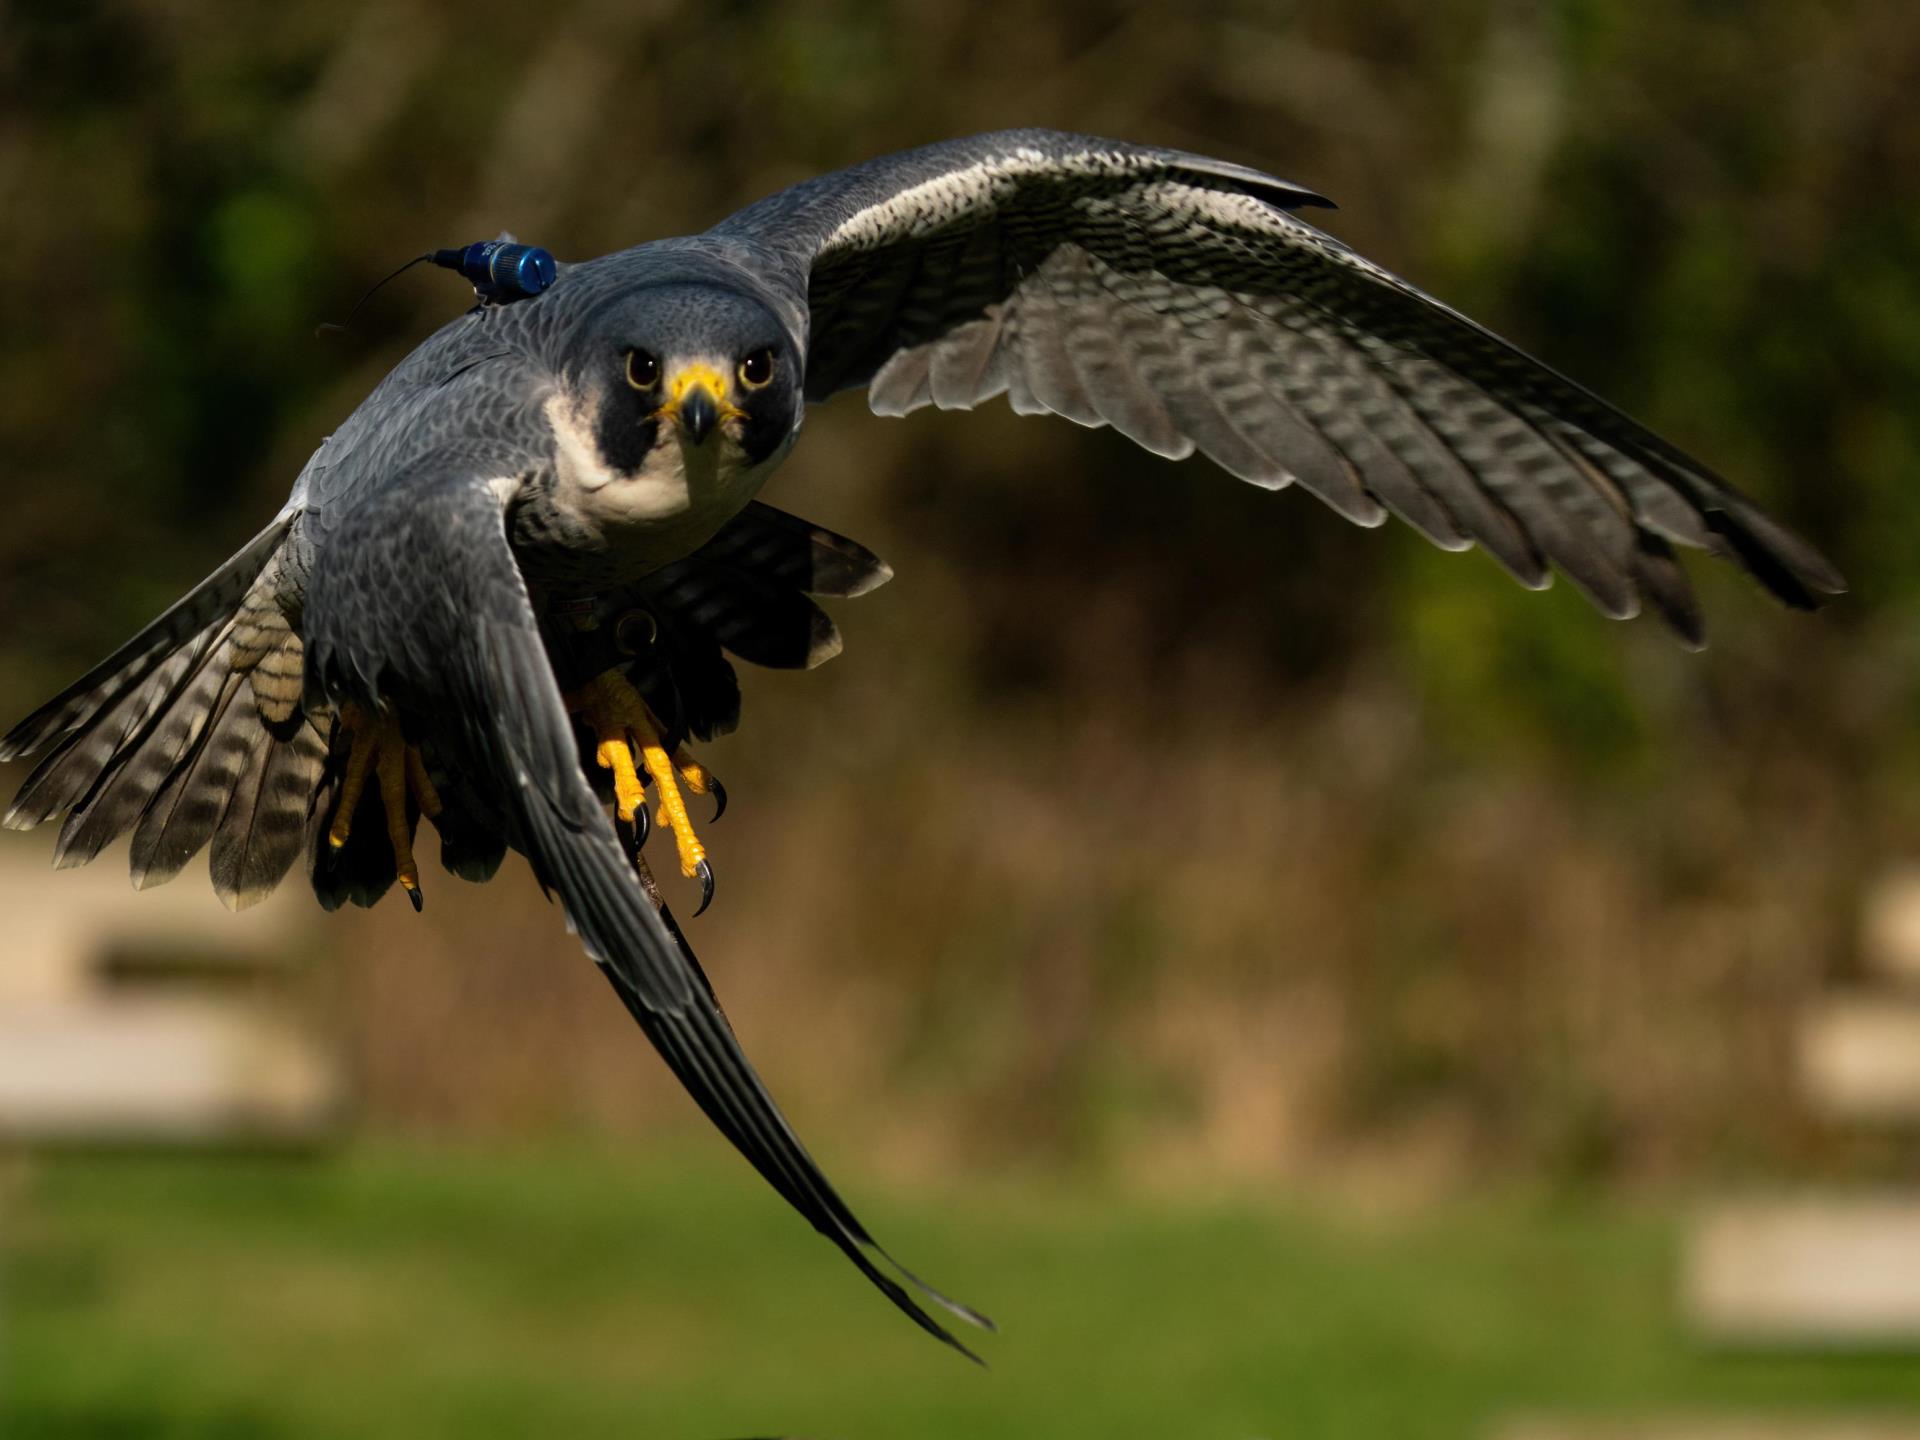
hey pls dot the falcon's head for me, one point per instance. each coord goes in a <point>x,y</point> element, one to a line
<point>706,376</point>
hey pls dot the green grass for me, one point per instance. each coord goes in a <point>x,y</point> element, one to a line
<point>572,1293</point>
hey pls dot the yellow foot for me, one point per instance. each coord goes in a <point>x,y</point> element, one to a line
<point>626,732</point>
<point>377,746</point>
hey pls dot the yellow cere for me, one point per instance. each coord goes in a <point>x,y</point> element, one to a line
<point>707,378</point>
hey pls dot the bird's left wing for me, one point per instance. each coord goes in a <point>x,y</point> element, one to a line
<point>1182,301</point>
<point>415,599</point>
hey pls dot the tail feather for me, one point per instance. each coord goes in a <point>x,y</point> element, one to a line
<point>181,818</point>
<point>189,733</point>
<point>214,599</point>
<point>123,781</point>
<point>72,773</point>
<point>264,825</point>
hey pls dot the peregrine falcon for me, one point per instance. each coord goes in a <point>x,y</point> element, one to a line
<point>503,593</point>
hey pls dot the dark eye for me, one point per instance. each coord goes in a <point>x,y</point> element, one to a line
<point>757,369</point>
<point>643,370</point>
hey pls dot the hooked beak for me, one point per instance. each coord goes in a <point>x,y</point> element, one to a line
<point>697,401</point>
<point>698,412</point>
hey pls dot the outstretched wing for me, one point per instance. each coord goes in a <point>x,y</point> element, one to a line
<point>415,599</point>
<point>1181,301</point>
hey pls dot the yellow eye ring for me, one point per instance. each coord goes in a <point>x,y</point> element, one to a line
<point>756,371</point>
<point>643,370</point>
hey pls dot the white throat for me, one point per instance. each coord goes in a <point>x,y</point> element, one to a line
<point>666,507</point>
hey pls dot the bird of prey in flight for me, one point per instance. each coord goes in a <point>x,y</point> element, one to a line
<point>503,593</point>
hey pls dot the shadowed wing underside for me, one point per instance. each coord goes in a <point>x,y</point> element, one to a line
<point>1181,301</point>
<point>418,600</point>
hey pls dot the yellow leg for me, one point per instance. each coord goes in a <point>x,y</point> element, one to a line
<point>421,784</point>
<point>700,780</point>
<point>365,743</point>
<point>673,809</point>
<point>629,792</point>
<point>378,747</point>
<point>627,732</point>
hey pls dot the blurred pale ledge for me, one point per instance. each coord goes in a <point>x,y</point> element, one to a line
<point>1681,1427</point>
<point>154,1016</point>
<point>1817,1273</point>
<point>1890,928</point>
<point>1859,1057</point>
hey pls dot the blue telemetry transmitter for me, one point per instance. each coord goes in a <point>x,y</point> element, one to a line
<point>501,271</point>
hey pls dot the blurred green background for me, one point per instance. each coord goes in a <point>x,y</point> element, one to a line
<point>1295,979</point>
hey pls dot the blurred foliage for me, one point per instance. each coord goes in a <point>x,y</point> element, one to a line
<point>1182,819</point>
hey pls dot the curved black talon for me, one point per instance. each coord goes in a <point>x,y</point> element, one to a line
<point>419,900</point>
<point>705,874</point>
<point>719,797</point>
<point>642,827</point>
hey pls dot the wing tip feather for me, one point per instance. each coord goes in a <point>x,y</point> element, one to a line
<point>876,576</point>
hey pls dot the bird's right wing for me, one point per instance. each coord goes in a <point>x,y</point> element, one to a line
<point>415,600</point>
